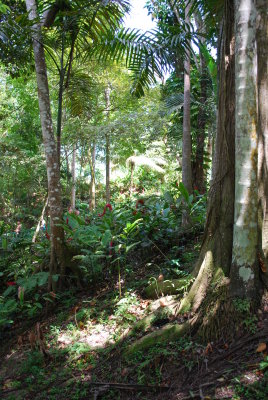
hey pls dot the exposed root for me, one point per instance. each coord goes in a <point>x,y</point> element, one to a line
<point>168,332</point>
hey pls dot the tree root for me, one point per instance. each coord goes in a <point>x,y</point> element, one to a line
<point>168,332</point>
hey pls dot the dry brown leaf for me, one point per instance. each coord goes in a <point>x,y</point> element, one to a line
<point>208,349</point>
<point>261,347</point>
<point>162,303</point>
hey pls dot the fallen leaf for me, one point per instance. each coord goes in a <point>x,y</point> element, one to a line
<point>261,347</point>
<point>81,325</point>
<point>259,372</point>
<point>208,349</point>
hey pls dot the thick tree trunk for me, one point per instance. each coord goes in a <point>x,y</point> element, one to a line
<point>262,56</point>
<point>108,146</point>
<point>73,177</point>
<point>216,251</point>
<point>244,272</point>
<point>52,163</point>
<point>92,187</point>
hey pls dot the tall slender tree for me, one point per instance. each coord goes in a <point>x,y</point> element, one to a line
<point>108,144</point>
<point>52,161</point>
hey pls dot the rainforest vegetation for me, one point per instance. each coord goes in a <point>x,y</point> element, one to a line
<point>133,200</point>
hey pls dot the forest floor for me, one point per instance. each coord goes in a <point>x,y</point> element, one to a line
<point>85,351</point>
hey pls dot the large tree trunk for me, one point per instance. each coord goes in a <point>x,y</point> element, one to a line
<point>216,251</point>
<point>262,56</point>
<point>108,146</point>
<point>52,162</point>
<point>244,273</point>
<point>228,263</point>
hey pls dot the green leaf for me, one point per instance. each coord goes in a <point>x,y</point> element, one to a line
<point>55,277</point>
<point>4,243</point>
<point>184,192</point>
<point>131,246</point>
<point>106,238</point>
<point>42,278</point>
<point>10,289</point>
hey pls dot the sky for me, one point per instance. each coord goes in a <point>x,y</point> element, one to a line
<point>138,17</point>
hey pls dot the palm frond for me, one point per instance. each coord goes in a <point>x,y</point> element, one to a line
<point>152,164</point>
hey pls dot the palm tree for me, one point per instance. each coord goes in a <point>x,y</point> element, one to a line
<point>154,164</point>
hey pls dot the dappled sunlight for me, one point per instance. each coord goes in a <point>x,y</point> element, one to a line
<point>99,336</point>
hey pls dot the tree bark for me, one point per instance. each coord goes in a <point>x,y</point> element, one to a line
<point>262,67</point>
<point>216,251</point>
<point>73,177</point>
<point>108,145</point>
<point>244,272</point>
<point>52,162</point>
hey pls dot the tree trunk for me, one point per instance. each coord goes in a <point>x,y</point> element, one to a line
<point>73,177</point>
<point>52,162</point>
<point>244,272</point>
<point>108,146</point>
<point>186,137</point>
<point>216,251</point>
<point>199,176</point>
<point>67,165</point>
<point>92,188</point>
<point>228,263</point>
<point>262,56</point>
